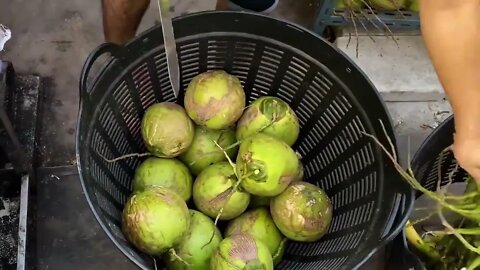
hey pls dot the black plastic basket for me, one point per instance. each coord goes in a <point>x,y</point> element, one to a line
<point>429,158</point>
<point>334,101</point>
<point>426,163</point>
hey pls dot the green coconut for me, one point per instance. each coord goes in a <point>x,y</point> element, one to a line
<point>215,99</point>
<point>259,224</point>
<point>241,251</point>
<point>300,172</point>
<point>266,165</point>
<point>303,212</point>
<point>169,173</point>
<point>388,4</point>
<point>197,246</point>
<point>414,6</point>
<point>147,220</point>
<point>166,129</point>
<point>214,189</point>
<point>203,152</point>
<point>258,201</point>
<point>350,4</point>
<point>272,116</point>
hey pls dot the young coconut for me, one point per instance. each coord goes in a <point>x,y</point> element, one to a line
<point>215,99</point>
<point>259,224</point>
<point>303,212</point>
<point>216,189</point>
<point>169,173</point>
<point>266,165</point>
<point>147,220</point>
<point>203,152</point>
<point>414,6</point>
<point>300,172</point>
<point>166,129</point>
<point>197,246</point>
<point>272,116</point>
<point>349,4</point>
<point>388,4</point>
<point>241,251</point>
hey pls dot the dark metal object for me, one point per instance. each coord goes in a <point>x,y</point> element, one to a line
<point>9,141</point>
<point>170,45</point>
<point>23,226</point>
<point>20,103</point>
<point>327,15</point>
<point>9,217</point>
<point>334,100</point>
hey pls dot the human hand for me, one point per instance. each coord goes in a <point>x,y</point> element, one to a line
<point>466,149</point>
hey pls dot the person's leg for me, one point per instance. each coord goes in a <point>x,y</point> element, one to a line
<point>121,19</point>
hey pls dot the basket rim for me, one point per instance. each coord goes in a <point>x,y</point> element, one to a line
<point>445,125</point>
<point>387,115</point>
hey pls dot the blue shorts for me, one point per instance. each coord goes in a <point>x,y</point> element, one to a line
<point>265,6</point>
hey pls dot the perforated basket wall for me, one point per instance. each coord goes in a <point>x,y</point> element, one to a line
<point>334,101</point>
<point>433,163</point>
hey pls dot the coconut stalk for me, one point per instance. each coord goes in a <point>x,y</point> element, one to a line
<point>465,205</point>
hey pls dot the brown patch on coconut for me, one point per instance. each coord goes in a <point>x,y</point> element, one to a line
<point>248,116</point>
<point>211,109</point>
<point>311,224</point>
<point>243,248</point>
<point>287,179</point>
<point>220,199</point>
<point>247,157</point>
<point>252,218</point>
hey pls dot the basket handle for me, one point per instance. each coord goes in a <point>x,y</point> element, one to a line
<point>91,59</point>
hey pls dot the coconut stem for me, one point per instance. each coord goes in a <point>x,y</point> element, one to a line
<point>410,178</point>
<point>440,198</point>
<point>456,233</point>
<point>475,264</point>
<point>154,263</point>
<point>356,33</point>
<point>274,119</point>
<point>216,151</point>
<point>349,39</point>
<point>239,180</point>
<point>364,26</point>
<point>370,21</point>
<point>464,231</point>
<point>228,158</point>
<point>175,255</point>
<point>384,25</point>
<point>125,156</point>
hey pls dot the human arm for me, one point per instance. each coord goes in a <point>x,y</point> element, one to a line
<point>451,31</point>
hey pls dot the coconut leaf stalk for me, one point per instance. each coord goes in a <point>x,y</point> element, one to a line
<point>458,246</point>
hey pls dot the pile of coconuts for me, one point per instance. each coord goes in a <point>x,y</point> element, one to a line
<point>222,188</point>
<point>387,5</point>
